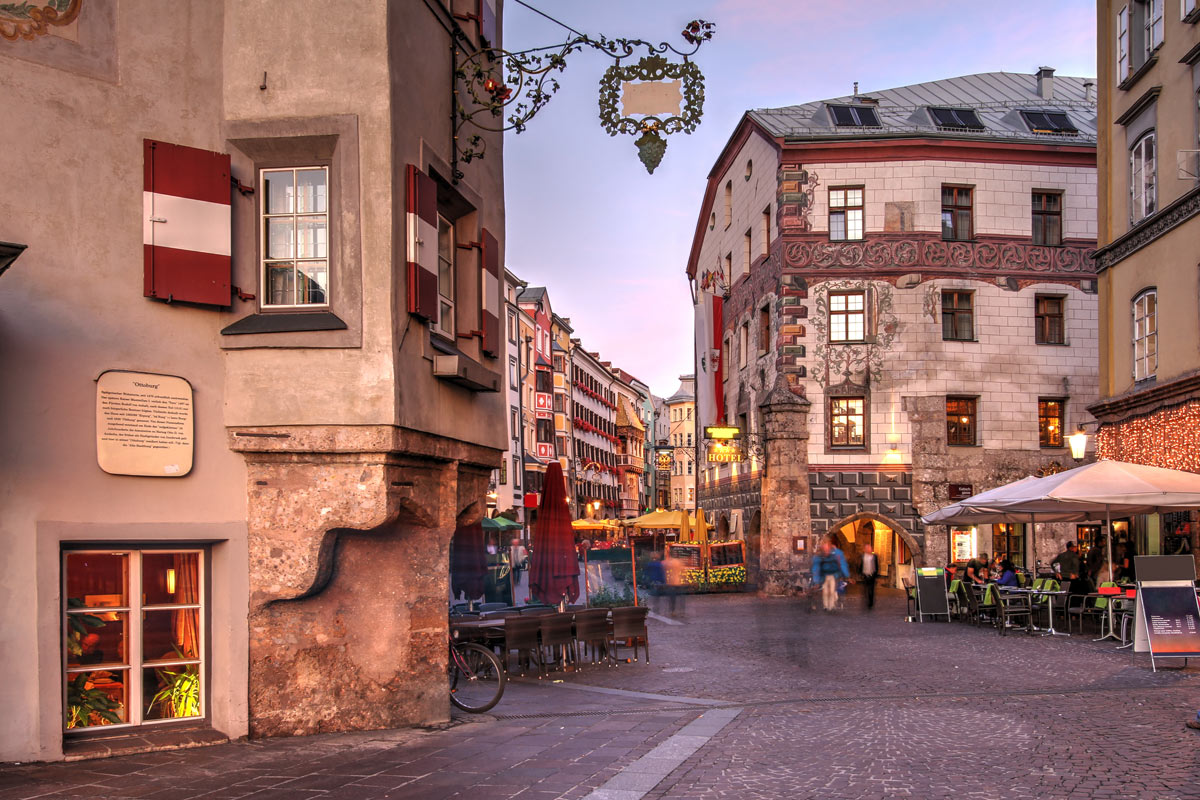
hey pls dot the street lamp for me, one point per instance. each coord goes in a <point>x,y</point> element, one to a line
<point>1077,441</point>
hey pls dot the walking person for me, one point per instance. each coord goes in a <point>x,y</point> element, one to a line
<point>870,571</point>
<point>673,571</point>
<point>656,577</point>
<point>828,568</point>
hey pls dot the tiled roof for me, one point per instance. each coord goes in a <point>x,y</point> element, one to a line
<point>998,98</point>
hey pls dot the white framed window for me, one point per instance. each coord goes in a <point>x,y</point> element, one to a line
<point>294,211</point>
<point>134,626</point>
<point>1143,178</point>
<point>1186,7</point>
<point>1123,44</point>
<point>445,321</point>
<point>847,316</point>
<point>846,213</point>
<point>1153,25</point>
<point>1145,335</point>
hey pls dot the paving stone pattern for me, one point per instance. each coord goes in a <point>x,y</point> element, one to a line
<point>748,698</point>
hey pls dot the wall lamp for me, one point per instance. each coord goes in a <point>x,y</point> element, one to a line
<point>8,254</point>
<point>1077,441</point>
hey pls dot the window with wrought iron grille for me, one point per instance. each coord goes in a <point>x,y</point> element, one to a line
<point>1051,413</point>
<point>958,316</point>
<point>1050,325</point>
<point>1145,335</point>
<point>960,421</point>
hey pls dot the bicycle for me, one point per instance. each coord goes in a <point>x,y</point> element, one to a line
<point>476,676</point>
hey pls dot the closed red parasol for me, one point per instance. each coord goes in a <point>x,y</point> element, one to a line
<point>468,564</point>
<point>554,569</point>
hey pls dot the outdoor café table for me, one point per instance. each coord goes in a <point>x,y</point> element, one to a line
<point>1112,598</point>
<point>473,629</point>
<point>1049,609</point>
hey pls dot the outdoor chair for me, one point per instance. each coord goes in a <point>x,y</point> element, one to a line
<point>1015,606</point>
<point>910,596</point>
<point>629,625</point>
<point>952,598</point>
<point>521,634</point>
<point>1093,607</point>
<point>963,596</point>
<point>987,603</point>
<point>972,601</point>
<point>593,634</point>
<point>558,639</point>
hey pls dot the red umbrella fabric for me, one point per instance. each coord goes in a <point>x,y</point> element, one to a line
<point>554,568</point>
<point>469,566</point>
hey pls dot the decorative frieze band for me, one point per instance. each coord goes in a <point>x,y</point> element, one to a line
<point>1172,216</point>
<point>1001,255</point>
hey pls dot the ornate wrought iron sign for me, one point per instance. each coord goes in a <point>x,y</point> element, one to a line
<point>520,83</point>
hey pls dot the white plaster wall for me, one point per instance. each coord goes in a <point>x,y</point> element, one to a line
<point>1002,196</point>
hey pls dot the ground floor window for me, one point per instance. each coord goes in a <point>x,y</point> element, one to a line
<point>133,636</point>
<point>1008,542</point>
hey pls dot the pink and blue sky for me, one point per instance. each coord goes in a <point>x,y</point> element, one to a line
<point>610,242</point>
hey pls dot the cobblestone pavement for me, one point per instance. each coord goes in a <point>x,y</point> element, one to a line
<point>747,698</point>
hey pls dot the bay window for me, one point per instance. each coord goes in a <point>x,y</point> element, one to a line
<point>295,237</point>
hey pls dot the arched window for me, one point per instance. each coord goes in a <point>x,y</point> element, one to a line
<point>728,203</point>
<point>1143,178</point>
<point>1145,335</point>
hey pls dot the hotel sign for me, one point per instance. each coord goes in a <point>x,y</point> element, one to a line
<point>722,432</point>
<point>722,453</point>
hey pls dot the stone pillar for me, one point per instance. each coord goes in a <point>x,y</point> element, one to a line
<point>927,416</point>
<point>349,534</point>
<point>785,490</point>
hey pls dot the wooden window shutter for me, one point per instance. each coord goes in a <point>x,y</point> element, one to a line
<point>489,293</point>
<point>186,224</point>
<point>422,219</point>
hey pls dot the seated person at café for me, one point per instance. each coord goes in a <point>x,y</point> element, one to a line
<point>1008,574</point>
<point>975,566</point>
<point>985,575</point>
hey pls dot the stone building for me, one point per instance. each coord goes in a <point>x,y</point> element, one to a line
<point>1149,259</point>
<point>239,448</point>
<point>681,437</point>
<point>896,306</point>
<point>507,480</point>
<point>631,442</point>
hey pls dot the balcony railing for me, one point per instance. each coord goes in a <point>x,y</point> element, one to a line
<point>631,462</point>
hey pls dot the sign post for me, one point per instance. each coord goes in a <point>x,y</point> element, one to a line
<point>1167,623</point>
<point>931,593</point>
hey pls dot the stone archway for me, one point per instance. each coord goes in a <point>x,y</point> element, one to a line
<point>915,550</point>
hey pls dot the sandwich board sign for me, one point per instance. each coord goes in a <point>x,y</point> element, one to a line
<point>1167,624</point>
<point>931,593</point>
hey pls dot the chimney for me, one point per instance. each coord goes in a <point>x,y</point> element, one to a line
<point>1045,83</point>
<point>1089,91</point>
<point>856,88</point>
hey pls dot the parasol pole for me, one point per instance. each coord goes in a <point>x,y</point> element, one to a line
<point>1108,537</point>
<point>633,569</point>
<point>586,589</point>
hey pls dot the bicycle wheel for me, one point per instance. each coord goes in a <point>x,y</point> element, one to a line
<point>476,678</point>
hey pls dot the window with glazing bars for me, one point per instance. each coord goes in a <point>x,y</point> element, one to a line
<point>847,421</point>
<point>1050,422</point>
<point>958,316</point>
<point>1049,322</point>
<point>846,213</point>
<point>847,316</point>
<point>956,213</point>
<point>1145,335</point>
<point>1047,218</point>
<point>960,420</point>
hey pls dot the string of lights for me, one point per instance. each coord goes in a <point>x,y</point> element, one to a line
<point>1168,438</point>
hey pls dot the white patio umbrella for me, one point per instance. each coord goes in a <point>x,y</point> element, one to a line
<point>1100,488</point>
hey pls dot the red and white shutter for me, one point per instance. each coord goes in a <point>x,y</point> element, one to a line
<point>186,224</point>
<point>489,293</point>
<point>422,222</point>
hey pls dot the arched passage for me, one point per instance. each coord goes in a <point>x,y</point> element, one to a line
<point>898,551</point>
<point>723,527</point>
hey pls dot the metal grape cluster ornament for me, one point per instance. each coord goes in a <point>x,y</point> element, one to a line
<point>657,96</point>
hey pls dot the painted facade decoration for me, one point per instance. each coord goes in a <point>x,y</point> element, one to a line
<point>24,20</point>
